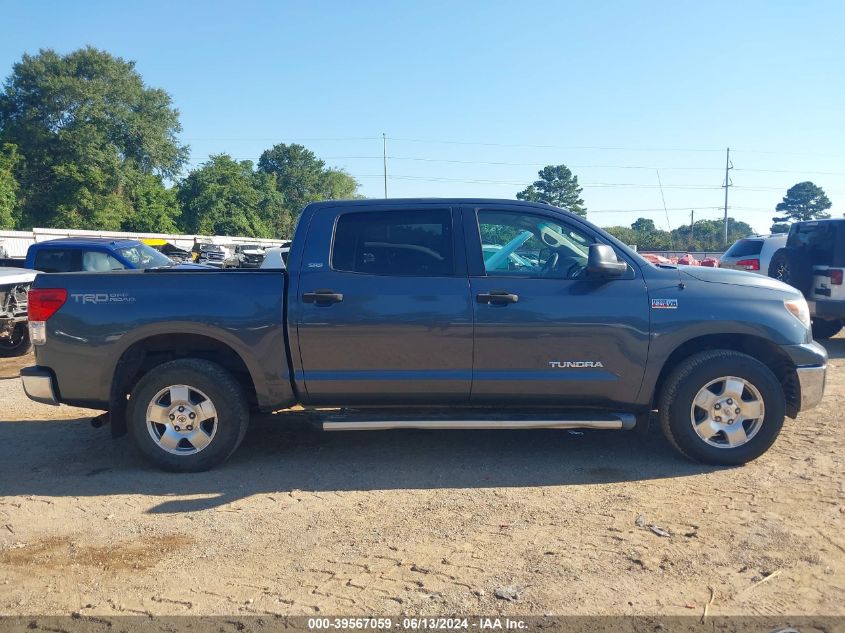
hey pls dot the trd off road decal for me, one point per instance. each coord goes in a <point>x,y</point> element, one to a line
<point>102,297</point>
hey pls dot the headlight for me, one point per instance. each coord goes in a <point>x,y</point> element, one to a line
<point>799,309</point>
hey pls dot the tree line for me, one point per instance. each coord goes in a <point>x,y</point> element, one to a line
<point>85,144</point>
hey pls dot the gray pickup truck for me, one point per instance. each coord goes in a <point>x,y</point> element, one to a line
<point>432,313</point>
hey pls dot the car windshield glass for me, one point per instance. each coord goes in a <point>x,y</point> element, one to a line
<point>143,256</point>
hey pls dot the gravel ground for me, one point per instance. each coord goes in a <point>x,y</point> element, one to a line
<point>529,522</point>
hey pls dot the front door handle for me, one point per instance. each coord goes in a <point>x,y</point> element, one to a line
<point>322,297</point>
<point>498,297</point>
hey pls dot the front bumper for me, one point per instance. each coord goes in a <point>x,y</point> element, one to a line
<point>812,382</point>
<point>38,385</point>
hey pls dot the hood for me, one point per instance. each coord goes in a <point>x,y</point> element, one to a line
<point>735,278</point>
<point>16,275</point>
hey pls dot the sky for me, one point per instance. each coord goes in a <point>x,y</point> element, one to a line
<point>475,97</point>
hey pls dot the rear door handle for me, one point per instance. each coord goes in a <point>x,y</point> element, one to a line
<point>322,296</point>
<point>499,297</point>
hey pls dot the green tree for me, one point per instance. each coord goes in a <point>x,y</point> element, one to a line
<point>709,235</point>
<point>557,186</point>
<point>625,235</point>
<point>226,197</point>
<point>8,185</point>
<point>86,126</point>
<point>803,201</point>
<point>644,225</point>
<point>155,209</point>
<point>302,178</point>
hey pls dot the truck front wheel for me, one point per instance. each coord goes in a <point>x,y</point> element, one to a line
<point>722,407</point>
<point>187,415</point>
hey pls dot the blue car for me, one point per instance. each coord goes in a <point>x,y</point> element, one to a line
<point>75,254</point>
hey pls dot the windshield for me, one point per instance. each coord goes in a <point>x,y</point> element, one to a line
<point>143,256</point>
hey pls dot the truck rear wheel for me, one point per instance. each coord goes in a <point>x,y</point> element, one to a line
<point>722,407</point>
<point>187,415</point>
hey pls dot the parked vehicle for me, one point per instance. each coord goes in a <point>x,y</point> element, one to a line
<point>209,255</point>
<point>245,256</point>
<point>813,261</point>
<point>688,260</point>
<point>753,253</point>
<point>75,254</point>
<point>14,335</point>
<point>173,252</point>
<point>710,262</point>
<point>276,257</point>
<point>389,310</point>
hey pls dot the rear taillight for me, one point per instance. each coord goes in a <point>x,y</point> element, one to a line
<point>43,302</point>
<point>835,276</point>
<point>749,264</point>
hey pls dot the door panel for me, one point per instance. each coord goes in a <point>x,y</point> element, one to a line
<point>388,320</point>
<point>566,338</point>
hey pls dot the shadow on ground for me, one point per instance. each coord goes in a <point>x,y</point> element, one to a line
<point>69,458</point>
<point>835,347</point>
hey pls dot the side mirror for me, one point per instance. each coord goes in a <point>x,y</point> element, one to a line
<point>602,262</point>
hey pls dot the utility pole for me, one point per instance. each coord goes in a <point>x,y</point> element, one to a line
<point>691,228</point>
<point>384,139</point>
<point>728,183</point>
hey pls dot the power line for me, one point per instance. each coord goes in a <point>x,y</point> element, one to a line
<point>567,147</point>
<point>541,164</point>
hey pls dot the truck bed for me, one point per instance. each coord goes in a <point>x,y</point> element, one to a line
<point>108,313</point>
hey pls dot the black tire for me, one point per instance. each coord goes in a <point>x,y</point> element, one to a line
<point>18,344</point>
<point>693,374</point>
<point>202,377</point>
<point>823,328</point>
<point>792,266</point>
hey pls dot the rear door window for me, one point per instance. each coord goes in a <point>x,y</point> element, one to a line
<point>745,248</point>
<point>402,243</point>
<point>58,260</point>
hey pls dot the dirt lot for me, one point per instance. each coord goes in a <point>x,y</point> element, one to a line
<point>301,522</point>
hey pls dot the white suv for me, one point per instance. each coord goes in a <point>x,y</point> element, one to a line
<point>753,253</point>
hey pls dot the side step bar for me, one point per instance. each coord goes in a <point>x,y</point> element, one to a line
<point>617,421</point>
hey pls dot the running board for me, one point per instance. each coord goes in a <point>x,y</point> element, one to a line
<point>619,421</point>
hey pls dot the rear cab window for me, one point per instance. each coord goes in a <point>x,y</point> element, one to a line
<point>58,260</point>
<point>401,243</point>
